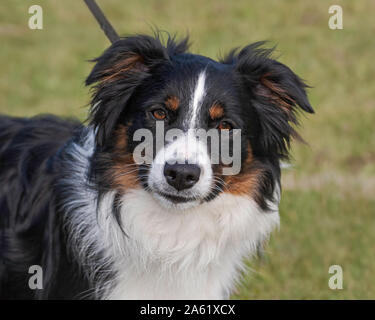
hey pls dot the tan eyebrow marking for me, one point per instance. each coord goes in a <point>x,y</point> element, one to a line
<point>216,111</point>
<point>172,103</point>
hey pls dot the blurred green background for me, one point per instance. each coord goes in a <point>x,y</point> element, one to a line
<point>328,206</point>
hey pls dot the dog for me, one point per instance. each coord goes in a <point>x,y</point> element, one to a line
<point>101,225</point>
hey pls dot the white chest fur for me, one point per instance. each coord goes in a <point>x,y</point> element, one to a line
<point>191,254</point>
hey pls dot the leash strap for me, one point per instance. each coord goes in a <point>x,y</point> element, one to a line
<point>102,20</point>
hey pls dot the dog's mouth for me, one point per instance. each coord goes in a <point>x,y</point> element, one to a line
<point>175,198</point>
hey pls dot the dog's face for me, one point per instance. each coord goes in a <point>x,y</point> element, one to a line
<point>187,128</point>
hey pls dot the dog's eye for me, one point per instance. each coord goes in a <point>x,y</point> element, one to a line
<point>159,114</point>
<point>225,125</point>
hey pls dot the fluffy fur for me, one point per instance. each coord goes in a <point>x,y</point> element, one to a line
<point>101,226</point>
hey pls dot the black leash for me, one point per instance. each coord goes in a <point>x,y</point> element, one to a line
<point>102,20</point>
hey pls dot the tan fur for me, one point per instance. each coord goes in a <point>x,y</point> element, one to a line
<point>216,111</point>
<point>172,103</point>
<point>247,181</point>
<point>122,66</point>
<point>278,95</point>
<point>125,169</point>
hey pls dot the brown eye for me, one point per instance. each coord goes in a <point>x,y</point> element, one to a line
<point>159,114</point>
<point>225,125</point>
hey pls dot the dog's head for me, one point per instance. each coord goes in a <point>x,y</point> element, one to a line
<point>152,103</point>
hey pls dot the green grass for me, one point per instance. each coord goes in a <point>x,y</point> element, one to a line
<point>328,207</point>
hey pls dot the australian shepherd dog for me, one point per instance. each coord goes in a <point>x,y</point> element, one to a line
<point>117,209</point>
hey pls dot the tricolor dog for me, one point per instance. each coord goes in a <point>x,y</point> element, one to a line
<point>76,201</point>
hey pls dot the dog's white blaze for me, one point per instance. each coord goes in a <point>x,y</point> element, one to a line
<point>186,148</point>
<point>197,99</point>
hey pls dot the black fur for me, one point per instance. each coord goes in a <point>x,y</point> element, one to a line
<point>31,230</point>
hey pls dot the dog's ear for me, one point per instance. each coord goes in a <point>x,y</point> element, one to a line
<point>118,71</point>
<point>276,93</point>
<point>126,57</point>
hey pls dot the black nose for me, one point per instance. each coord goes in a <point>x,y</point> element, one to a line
<point>182,176</point>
